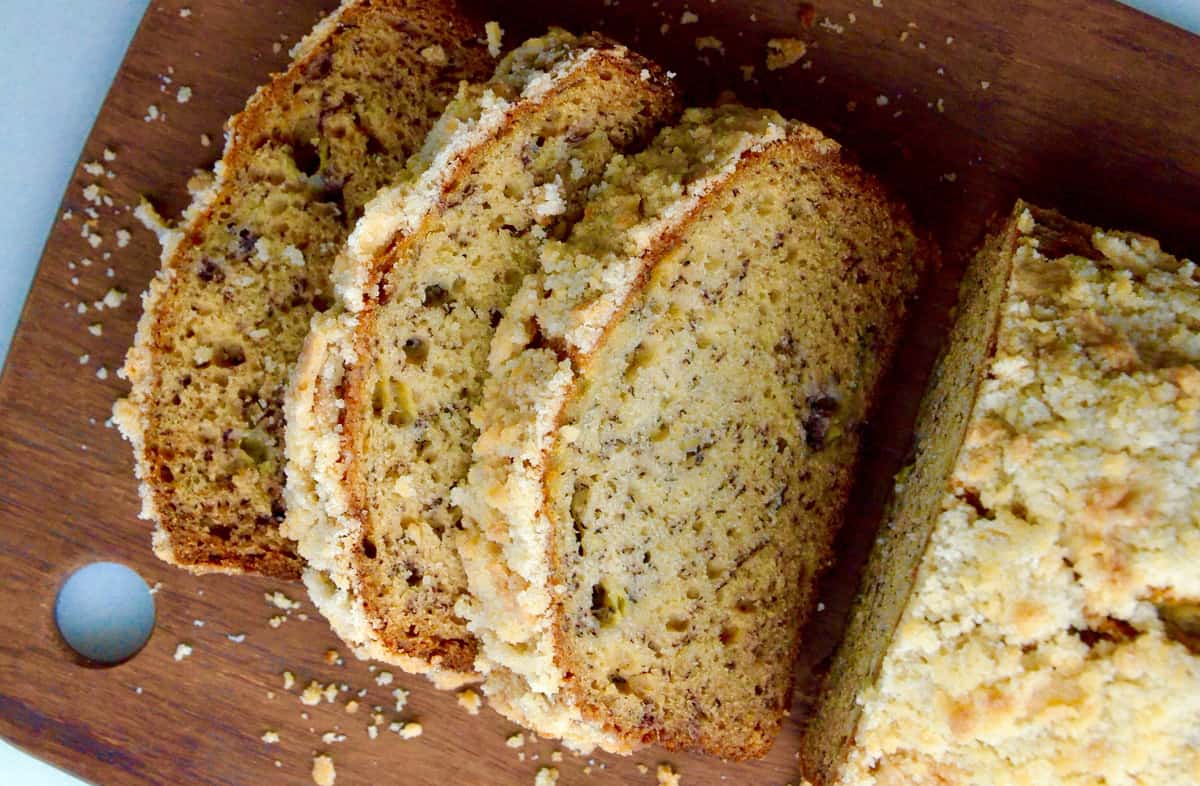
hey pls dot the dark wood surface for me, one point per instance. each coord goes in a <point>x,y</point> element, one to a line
<point>1089,106</point>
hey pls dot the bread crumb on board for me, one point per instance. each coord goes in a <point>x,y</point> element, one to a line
<point>666,775</point>
<point>546,776</point>
<point>183,651</point>
<point>323,772</point>
<point>270,737</point>
<point>515,740</point>
<point>783,52</point>
<point>470,701</point>
<point>495,35</point>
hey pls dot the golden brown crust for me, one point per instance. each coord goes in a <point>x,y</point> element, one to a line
<point>177,540</point>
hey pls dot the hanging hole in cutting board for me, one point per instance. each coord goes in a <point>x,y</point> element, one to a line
<point>105,613</point>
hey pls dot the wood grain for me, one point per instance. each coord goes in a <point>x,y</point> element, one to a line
<point>1086,106</point>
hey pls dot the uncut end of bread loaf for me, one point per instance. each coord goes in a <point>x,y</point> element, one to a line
<point>1031,612</point>
<point>669,432</point>
<point>224,318</point>
<point>378,416</point>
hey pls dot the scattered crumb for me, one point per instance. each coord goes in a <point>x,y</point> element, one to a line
<point>832,26</point>
<point>183,651</point>
<point>710,42</point>
<point>666,775</point>
<point>852,18</point>
<point>184,95</point>
<point>688,18</point>
<point>546,776</point>
<point>185,12</point>
<point>411,730</point>
<point>941,105</point>
<point>109,155</point>
<point>373,732</point>
<point>94,168</point>
<point>556,757</point>
<point>102,373</point>
<point>332,737</point>
<point>205,140</point>
<point>643,769</point>
<point>351,707</point>
<point>495,34</point>
<point>330,692</point>
<point>113,298</point>
<point>236,638</point>
<point>123,238</point>
<point>401,697</point>
<point>289,680</point>
<point>332,657</point>
<point>515,740</point>
<point>435,55</point>
<point>949,177</point>
<point>783,52</point>
<point>877,3</point>
<point>881,100</point>
<point>270,737</point>
<point>277,620</point>
<point>985,84</point>
<point>323,773</point>
<point>469,700</point>
<point>949,40</point>
<point>311,695</point>
<point>281,601</point>
<point>851,106</point>
<point>747,72</point>
<point>383,678</point>
<point>820,607</point>
<point>151,113</point>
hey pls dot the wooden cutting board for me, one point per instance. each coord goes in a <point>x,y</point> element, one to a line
<point>1087,106</point>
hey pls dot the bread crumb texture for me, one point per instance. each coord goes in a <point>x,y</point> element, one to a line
<point>656,476</point>
<point>225,316</point>
<point>1052,631</point>
<point>378,417</point>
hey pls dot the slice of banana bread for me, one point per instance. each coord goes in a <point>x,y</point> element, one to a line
<point>378,417</point>
<point>1031,612</point>
<point>225,317</point>
<point>669,433</point>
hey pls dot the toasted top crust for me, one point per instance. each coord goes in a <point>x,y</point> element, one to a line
<point>210,477</point>
<point>546,356</point>
<point>1044,622</point>
<point>347,395</point>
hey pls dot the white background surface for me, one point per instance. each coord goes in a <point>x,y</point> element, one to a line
<point>58,58</point>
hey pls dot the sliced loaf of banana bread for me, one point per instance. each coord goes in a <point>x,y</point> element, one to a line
<point>1031,612</point>
<point>669,433</point>
<point>378,416</point>
<point>225,317</point>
